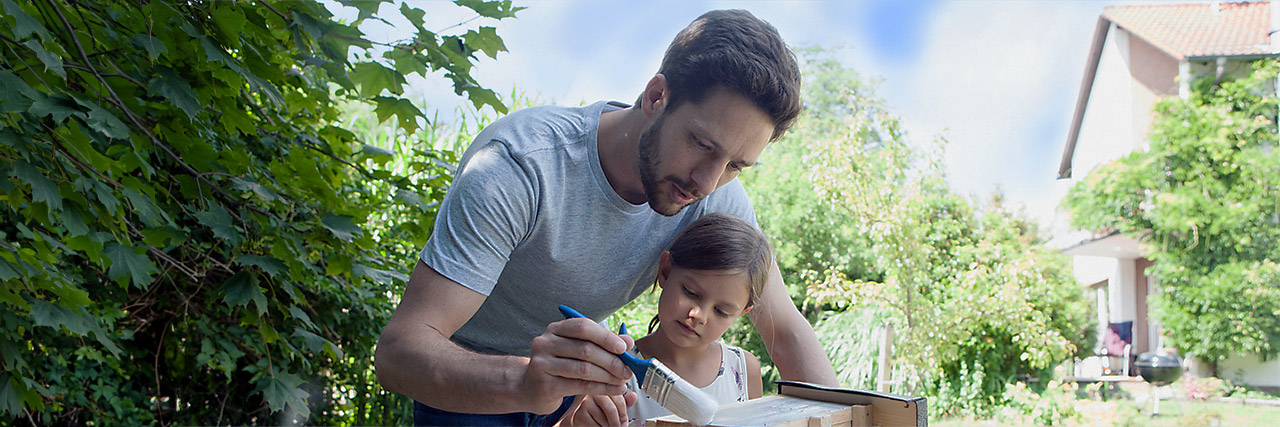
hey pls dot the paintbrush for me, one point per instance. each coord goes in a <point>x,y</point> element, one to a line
<point>663,385</point>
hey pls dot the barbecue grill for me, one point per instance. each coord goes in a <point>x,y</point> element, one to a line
<point>1158,369</point>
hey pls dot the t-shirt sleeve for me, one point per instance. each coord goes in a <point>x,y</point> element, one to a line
<point>732,199</point>
<point>486,213</point>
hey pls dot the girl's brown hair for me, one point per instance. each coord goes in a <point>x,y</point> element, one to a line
<point>723,242</point>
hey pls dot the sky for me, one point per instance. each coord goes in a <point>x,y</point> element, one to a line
<point>997,79</point>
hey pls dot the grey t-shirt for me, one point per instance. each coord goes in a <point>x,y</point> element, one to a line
<point>531,222</point>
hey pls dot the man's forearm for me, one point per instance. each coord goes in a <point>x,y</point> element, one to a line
<point>799,356</point>
<point>440,374</point>
<point>789,337</point>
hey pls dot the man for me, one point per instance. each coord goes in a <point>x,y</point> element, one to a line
<point>555,205</point>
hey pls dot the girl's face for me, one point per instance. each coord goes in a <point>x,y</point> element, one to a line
<point>697,306</point>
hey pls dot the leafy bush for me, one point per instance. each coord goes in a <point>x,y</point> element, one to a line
<point>873,230</point>
<point>1055,405</point>
<point>188,235</point>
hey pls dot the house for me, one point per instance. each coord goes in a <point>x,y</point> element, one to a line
<point>1139,55</point>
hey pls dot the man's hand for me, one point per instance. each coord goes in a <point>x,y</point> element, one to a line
<point>575,356</point>
<point>600,411</point>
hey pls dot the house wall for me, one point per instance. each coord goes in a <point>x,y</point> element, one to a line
<point>1251,370</point>
<point>1154,76</point>
<point>1108,129</point>
<point>1141,337</point>
<point>1122,287</point>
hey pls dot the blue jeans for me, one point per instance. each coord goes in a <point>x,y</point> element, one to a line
<point>424,415</point>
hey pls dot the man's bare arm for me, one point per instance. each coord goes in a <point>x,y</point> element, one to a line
<point>416,358</point>
<point>791,342</point>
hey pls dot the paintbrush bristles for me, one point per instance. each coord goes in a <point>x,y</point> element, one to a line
<point>677,395</point>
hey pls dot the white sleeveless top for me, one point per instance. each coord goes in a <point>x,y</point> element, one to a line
<point>729,386</point>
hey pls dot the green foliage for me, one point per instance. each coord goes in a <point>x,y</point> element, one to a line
<point>868,227</point>
<point>1205,199</point>
<point>1056,405</point>
<point>189,234</point>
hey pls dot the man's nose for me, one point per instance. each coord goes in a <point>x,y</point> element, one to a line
<point>707,177</point>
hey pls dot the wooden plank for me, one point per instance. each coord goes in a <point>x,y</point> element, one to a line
<point>887,409</point>
<point>859,415</point>
<point>820,421</point>
<point>842,416</point>
<point>772,411</point>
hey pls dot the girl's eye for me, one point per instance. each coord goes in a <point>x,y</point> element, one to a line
<point>722,313</point>
<point>689,292</point>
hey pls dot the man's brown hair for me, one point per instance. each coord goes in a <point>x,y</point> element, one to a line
<point>735,49</point>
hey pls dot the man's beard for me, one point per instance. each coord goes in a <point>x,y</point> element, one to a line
<point>659,199</point>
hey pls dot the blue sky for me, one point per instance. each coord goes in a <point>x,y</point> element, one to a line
<point>997,79</point>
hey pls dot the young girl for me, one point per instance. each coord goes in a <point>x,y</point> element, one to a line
<point>714,273</point>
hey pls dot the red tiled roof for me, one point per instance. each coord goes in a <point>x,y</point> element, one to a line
<point>1191,30</point>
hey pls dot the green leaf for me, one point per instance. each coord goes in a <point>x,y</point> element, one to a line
<point>42,189</point>
<point>414,15</point>
<point>283,391</point>
<point>378,154</point>
<point>10,403</point>
<point>52,61</point>
<point>8,271</point>
<point>177,90</point>
<point>241,288</point>
<point>385,277</point>
<point>15,95</point>
<point>152,45</point>
<point>269,265</point>
<point>411,199</point>
<point>104,195</point>
<point>105,122</point>
<point>317,343</point>
<point>25,25</point>
<point>126,262</point>
<point>302,316</point>
<point>91,245</point>
<point>485,40</point>
<point>341,226</point>
<point>219,221</point>
<point>58,317</point>
<point>406,113</point>
<point>231,21</point>
<point>82,147</point>
<point>407,62</point>
<point>480,97</point>
<point>57,106</point>
<point>144,206</point>
<point>69,295</point>
<point>491,9</point>
<point>372,78</point>
<point>245,184</point>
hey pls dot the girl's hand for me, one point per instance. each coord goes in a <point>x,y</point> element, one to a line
<point>600,410</point>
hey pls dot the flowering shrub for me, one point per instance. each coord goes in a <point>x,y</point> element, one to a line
<point>1053,406</point>
<point>1203,388</point>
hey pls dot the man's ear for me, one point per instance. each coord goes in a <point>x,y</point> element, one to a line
<point>664,268</point>
<point>654,98</point>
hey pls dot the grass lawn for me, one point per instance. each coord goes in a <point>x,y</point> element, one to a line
<point>1131,412</point>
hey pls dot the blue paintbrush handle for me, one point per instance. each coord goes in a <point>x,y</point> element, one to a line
<point>638,366</point>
